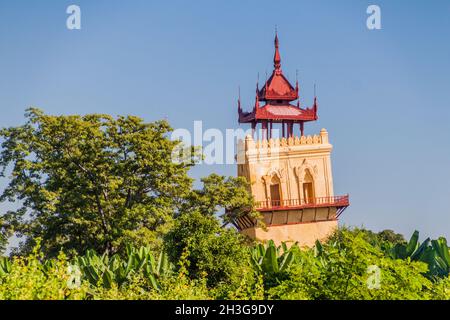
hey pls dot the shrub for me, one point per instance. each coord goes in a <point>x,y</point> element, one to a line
<point>209,251</point>
<point>341,269</point>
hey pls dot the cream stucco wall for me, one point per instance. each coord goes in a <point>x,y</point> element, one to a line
<point>289,160</point>
<point>305,234</point>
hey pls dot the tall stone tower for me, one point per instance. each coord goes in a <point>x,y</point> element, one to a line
<point>290,176</point>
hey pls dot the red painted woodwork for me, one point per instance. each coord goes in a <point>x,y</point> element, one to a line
<point>296,204</point>
<point>277,95</point>
<point>273,207</point>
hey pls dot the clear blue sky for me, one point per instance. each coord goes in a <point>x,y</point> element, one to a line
<point>383,95</point>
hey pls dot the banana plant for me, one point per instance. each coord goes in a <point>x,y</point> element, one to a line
<point>155,271</point>
<point>142,259</point>
<point>5,266</point>
<point>440,261</point>
<point>108,270</point>
<point>412,249</point>
<point>435,253</point>
<point>271,259</point>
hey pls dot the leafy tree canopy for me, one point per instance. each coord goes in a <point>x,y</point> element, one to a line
<point>90,182</point>
<point>384,240</point>
<point>205,247</point>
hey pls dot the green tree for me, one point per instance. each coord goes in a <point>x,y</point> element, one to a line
<point>221,193</point>
<point>384,240</point>
<point>91,182</point>
<point>198,240</point>
<point>207,251</point>
<point>391,236</point>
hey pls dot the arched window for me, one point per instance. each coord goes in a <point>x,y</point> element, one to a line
<point>308,187</point>
<point>275,192</point>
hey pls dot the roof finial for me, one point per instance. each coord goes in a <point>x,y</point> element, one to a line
<point>265,87</point>
<point>239,98</point>
<point>315,103</point>
<point>277,57</point>
<point>257,83</point>
<point>256,107</point>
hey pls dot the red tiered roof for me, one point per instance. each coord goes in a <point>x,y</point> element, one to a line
<point>277,86</point>
<point>278,113</point>
<point>277,93</point>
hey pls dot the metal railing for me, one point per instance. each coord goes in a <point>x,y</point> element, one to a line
<point>338,201</point>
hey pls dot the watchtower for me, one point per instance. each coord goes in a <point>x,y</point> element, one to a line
<point>290,176</point>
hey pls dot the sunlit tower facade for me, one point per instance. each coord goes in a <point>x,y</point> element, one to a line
<point>290,175</point>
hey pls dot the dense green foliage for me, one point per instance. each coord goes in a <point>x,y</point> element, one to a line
<point>272,262</point>
<point>342,268</point>
<point>433,252</point>
<point>90,182</point>
<point>384,240</point>
<point>106,271</point>
<point>105,214</point>
<point>95,182</point>
<point>208,250</point>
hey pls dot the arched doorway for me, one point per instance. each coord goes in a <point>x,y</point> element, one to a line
<point>308,187</point>
<point>275,192</point>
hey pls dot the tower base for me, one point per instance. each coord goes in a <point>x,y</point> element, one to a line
<point>305,234</point>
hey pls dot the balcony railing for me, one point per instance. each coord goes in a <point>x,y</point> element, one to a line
<point>336,201</point>
<point>272,208</point>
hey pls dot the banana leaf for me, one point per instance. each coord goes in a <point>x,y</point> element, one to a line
<point>413,244</point>
<point>270,262</point>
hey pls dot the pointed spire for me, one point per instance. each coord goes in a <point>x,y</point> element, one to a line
<point>257,84</point>
<point>265,86</point>
<point>277,57</point>
<point>239,100</point>
<point>315,107</point>
<point>256,101</point>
